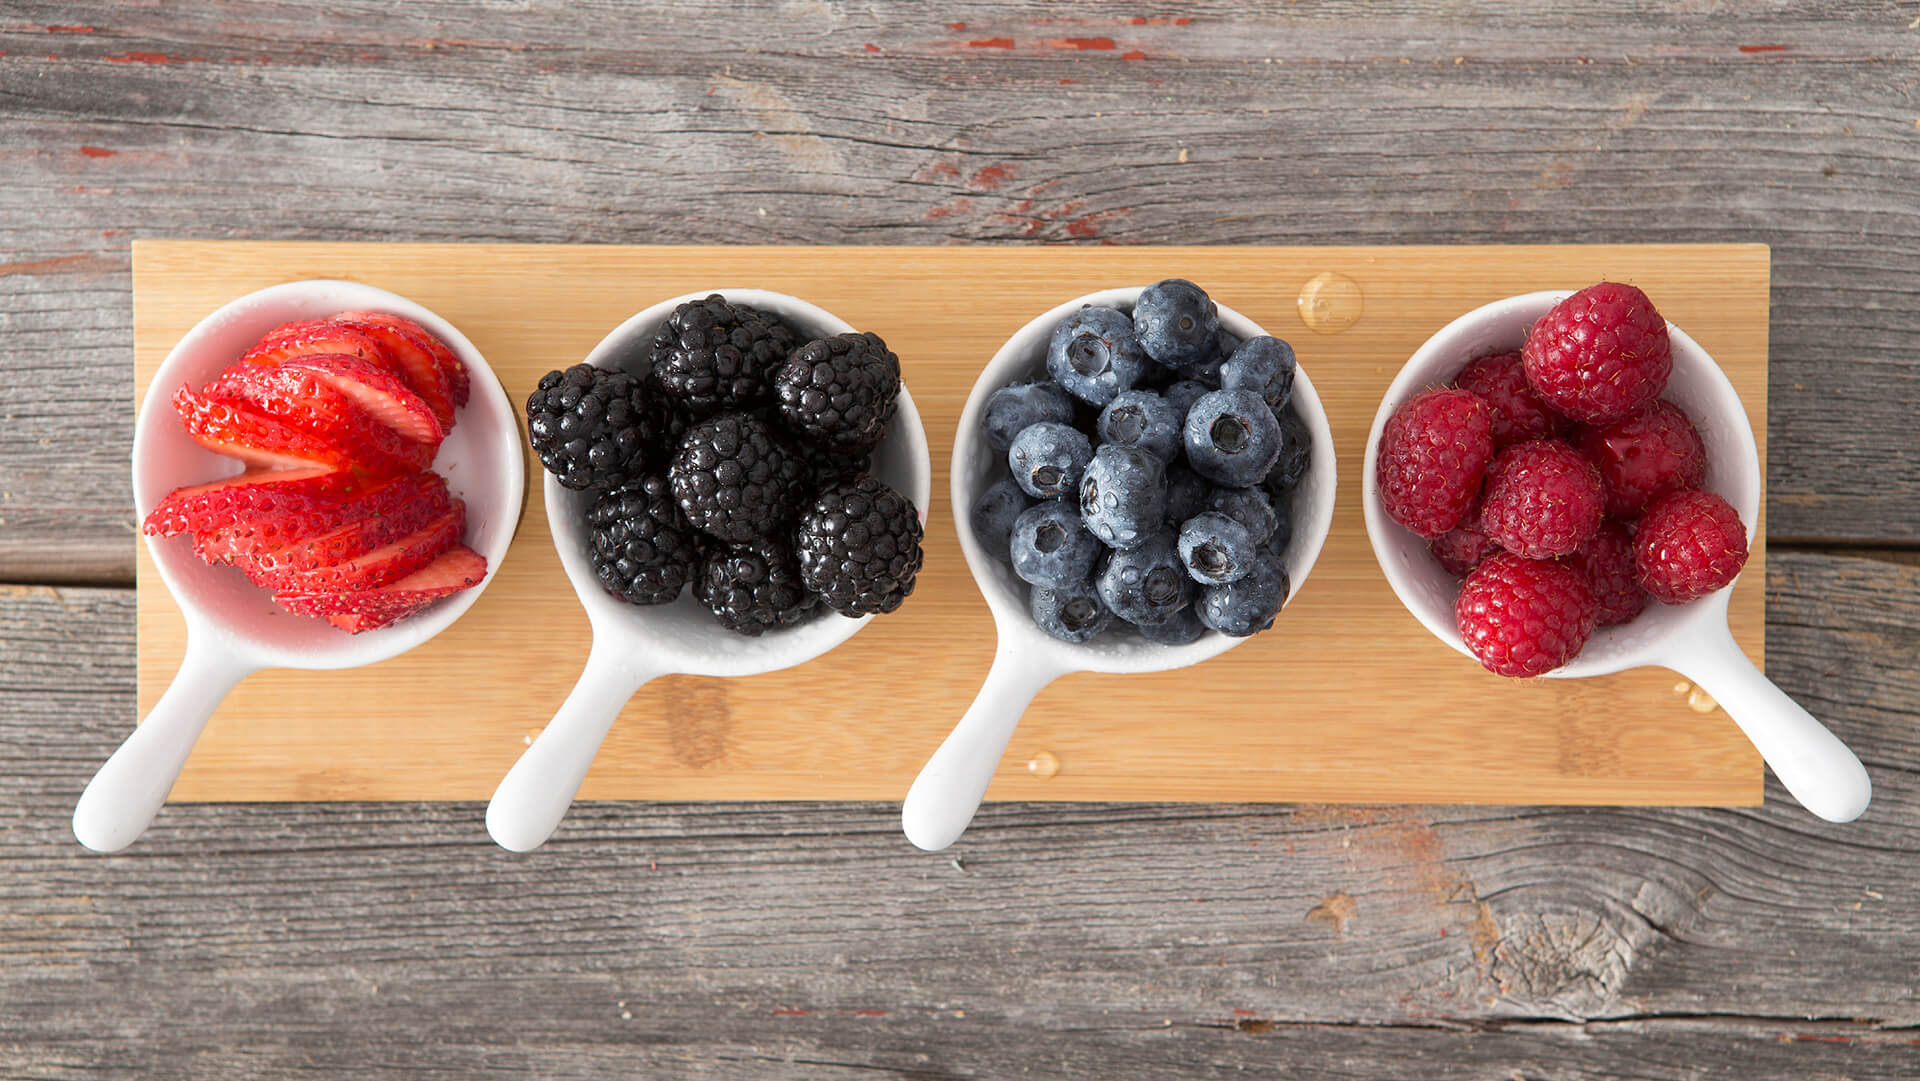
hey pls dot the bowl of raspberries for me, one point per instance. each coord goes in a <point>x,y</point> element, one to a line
<point>1146,478</point>
<point>736,482</point>
<point>1565,484</point>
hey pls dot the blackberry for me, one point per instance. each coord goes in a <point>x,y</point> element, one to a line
<point>1143,419</point>
<point>1147,583</point>
<point>840,390</point>
<point>1093,355</point>
<point>1047,459</point>
<point>1176,323</point>
<point>1180,629</point>
<point>821,467</point>
<point>1020,405</point>
<point>1248,605</point>
<point>643,549</point>
<point>994,514</point>
<point>1232,437</point>
<point>1123,495</point>
<point>589,426</point>
<point>712,355</point>
<point>1071,615</point>
<point>1051,548</point>
<point>1263,365</point>
<point>1296,454</point>
<point>752,587</point>
<point>859,547</point>
<point>1216,549</point>
<point>733,477</point>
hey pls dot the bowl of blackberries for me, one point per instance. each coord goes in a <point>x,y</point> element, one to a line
<point>1148,475</point>
<point>732,464</point>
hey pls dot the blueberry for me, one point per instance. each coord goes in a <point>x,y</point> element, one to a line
<point>1296,453</point>
<point>1187,494</point>
<point>1248,506</point>
<point>1093,355</point>
<point>1231,437</point>
<point>1282,529</point>
<point>1146,584</point>
<point>1022,405</point>
<point>1071,615</point>
<point>1183,394</point>
<point>1184,628</point>
<point>1143,419</point>
<point>994,513</point>
<point>1047,459</point>
<point>1246,606</point>
<point>1052,549</point>
<point>1123,495</point>
<point>1263,365</point>
<point>1176,322</point>
<point>1216,549</point>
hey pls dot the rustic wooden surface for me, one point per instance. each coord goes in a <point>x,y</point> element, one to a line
<point>1104,941</point>
<point>1276,719</point>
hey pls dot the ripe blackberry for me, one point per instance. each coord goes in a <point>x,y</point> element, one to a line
<point>713,355</point>
<point>821,467</point>
<point>859,547</point>
<point>732,477</point>
<point>588,426</point>
<point>642,547</point>
<point>839,390</point>
<point>752,587</point>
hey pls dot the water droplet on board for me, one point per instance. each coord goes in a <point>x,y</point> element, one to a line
<point>1043,764</point>
<point>1682,687</point>
<point>1330,302</point>
<point>1701,702</point>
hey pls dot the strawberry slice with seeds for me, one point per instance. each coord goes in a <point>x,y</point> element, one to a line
<point>316,337</point>
<point>255,493</point>
<point>387,563</point>
<point>315,532</point>
<point>444,357</point>
<point>412,350</point>
<point>455,569</point>
<point>377,390</point>
<point>300,399</point>
<point>240,431</point>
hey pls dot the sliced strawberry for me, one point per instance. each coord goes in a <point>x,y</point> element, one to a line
<point>300,399</point>
<point>443,355</point>
<point>316,337</point>
<point>458,568</point>
<point>240,431</point>
<point>256,492</point>
<point>384,564</point>
<point>323,531</point>
<point>412,351</point>
<point>378,391</point>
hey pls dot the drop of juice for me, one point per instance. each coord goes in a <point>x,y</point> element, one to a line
<point>1043,764</point>
<point>1330,302</point>
<point>1701,702</point>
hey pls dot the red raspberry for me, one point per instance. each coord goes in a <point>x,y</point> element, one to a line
<point>1688,545</point>
<point>1433,454</point>
<point>1524,617</point>
<point>1543,499</point>
<point>1461,548</point>
<point>1650,454</point>
<point>1600,354</point>
<point>1518,413</point>
<point>1607,561</point>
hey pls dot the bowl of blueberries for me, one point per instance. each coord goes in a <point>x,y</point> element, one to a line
<point>1142,480</point>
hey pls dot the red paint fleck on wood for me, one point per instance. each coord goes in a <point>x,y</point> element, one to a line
<point>70,30</point>
<point>991,43</point>
<point>957,205</point>
<point>1133,55</point>
<point>1244,1013</point>
<point>150,58</point>
<point>956,26</point>
<point>1183,20</point>
<point>97,151</point>
<point>113,232</point>
<point>1138,20</point>
<point>789,1013</point>
<point>1101,44</point>
<point>1763,48</point>
<point>993,176</point>
<point>869,1013</point>
<point>872,48</point>
<point>1063,82</point>
<point>82,262</point>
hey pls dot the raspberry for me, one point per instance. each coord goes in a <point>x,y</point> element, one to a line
<point>1519,414</point>
<point>1461,548</point>
<point>1524,617</point>
<point>1433,455</point>
<point>1689,545</point>
<point>1607,561</point>
<point>1543,499</point>
<point>1600,354</point>
<point>1652,453</point>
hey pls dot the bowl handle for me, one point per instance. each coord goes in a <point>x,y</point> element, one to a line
<point>951,785</point>
<point>1811,762</point>
<point>534,795</point>
<point>122,799</point>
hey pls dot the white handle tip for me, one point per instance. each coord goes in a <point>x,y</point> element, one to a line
<point>515,833</point>
<point>932,831</point>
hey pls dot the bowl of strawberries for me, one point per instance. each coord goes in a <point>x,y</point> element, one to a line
<point>1565,484</point>
<point>327,475</point>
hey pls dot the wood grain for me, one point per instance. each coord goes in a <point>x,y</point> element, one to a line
<point>1306,711</point>
<point>1126,941</point>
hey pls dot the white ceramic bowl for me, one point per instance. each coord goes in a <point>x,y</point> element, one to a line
<point>948,791</point>
<point>1691,638</point>
<point>233,626</point>
<point>632,643</point>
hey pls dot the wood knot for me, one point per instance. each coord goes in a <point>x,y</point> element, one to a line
<point>1567,963</point>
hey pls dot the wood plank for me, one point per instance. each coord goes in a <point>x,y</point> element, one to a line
<point>394,941</point>
<point>1418,123</point>
<point>1276,719</point>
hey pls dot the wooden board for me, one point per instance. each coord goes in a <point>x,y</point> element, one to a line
<point>1347,699</point>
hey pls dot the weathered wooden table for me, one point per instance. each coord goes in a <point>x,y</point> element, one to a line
<point>1122,941</point>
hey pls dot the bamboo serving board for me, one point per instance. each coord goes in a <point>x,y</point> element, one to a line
<point>1346,699</point>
